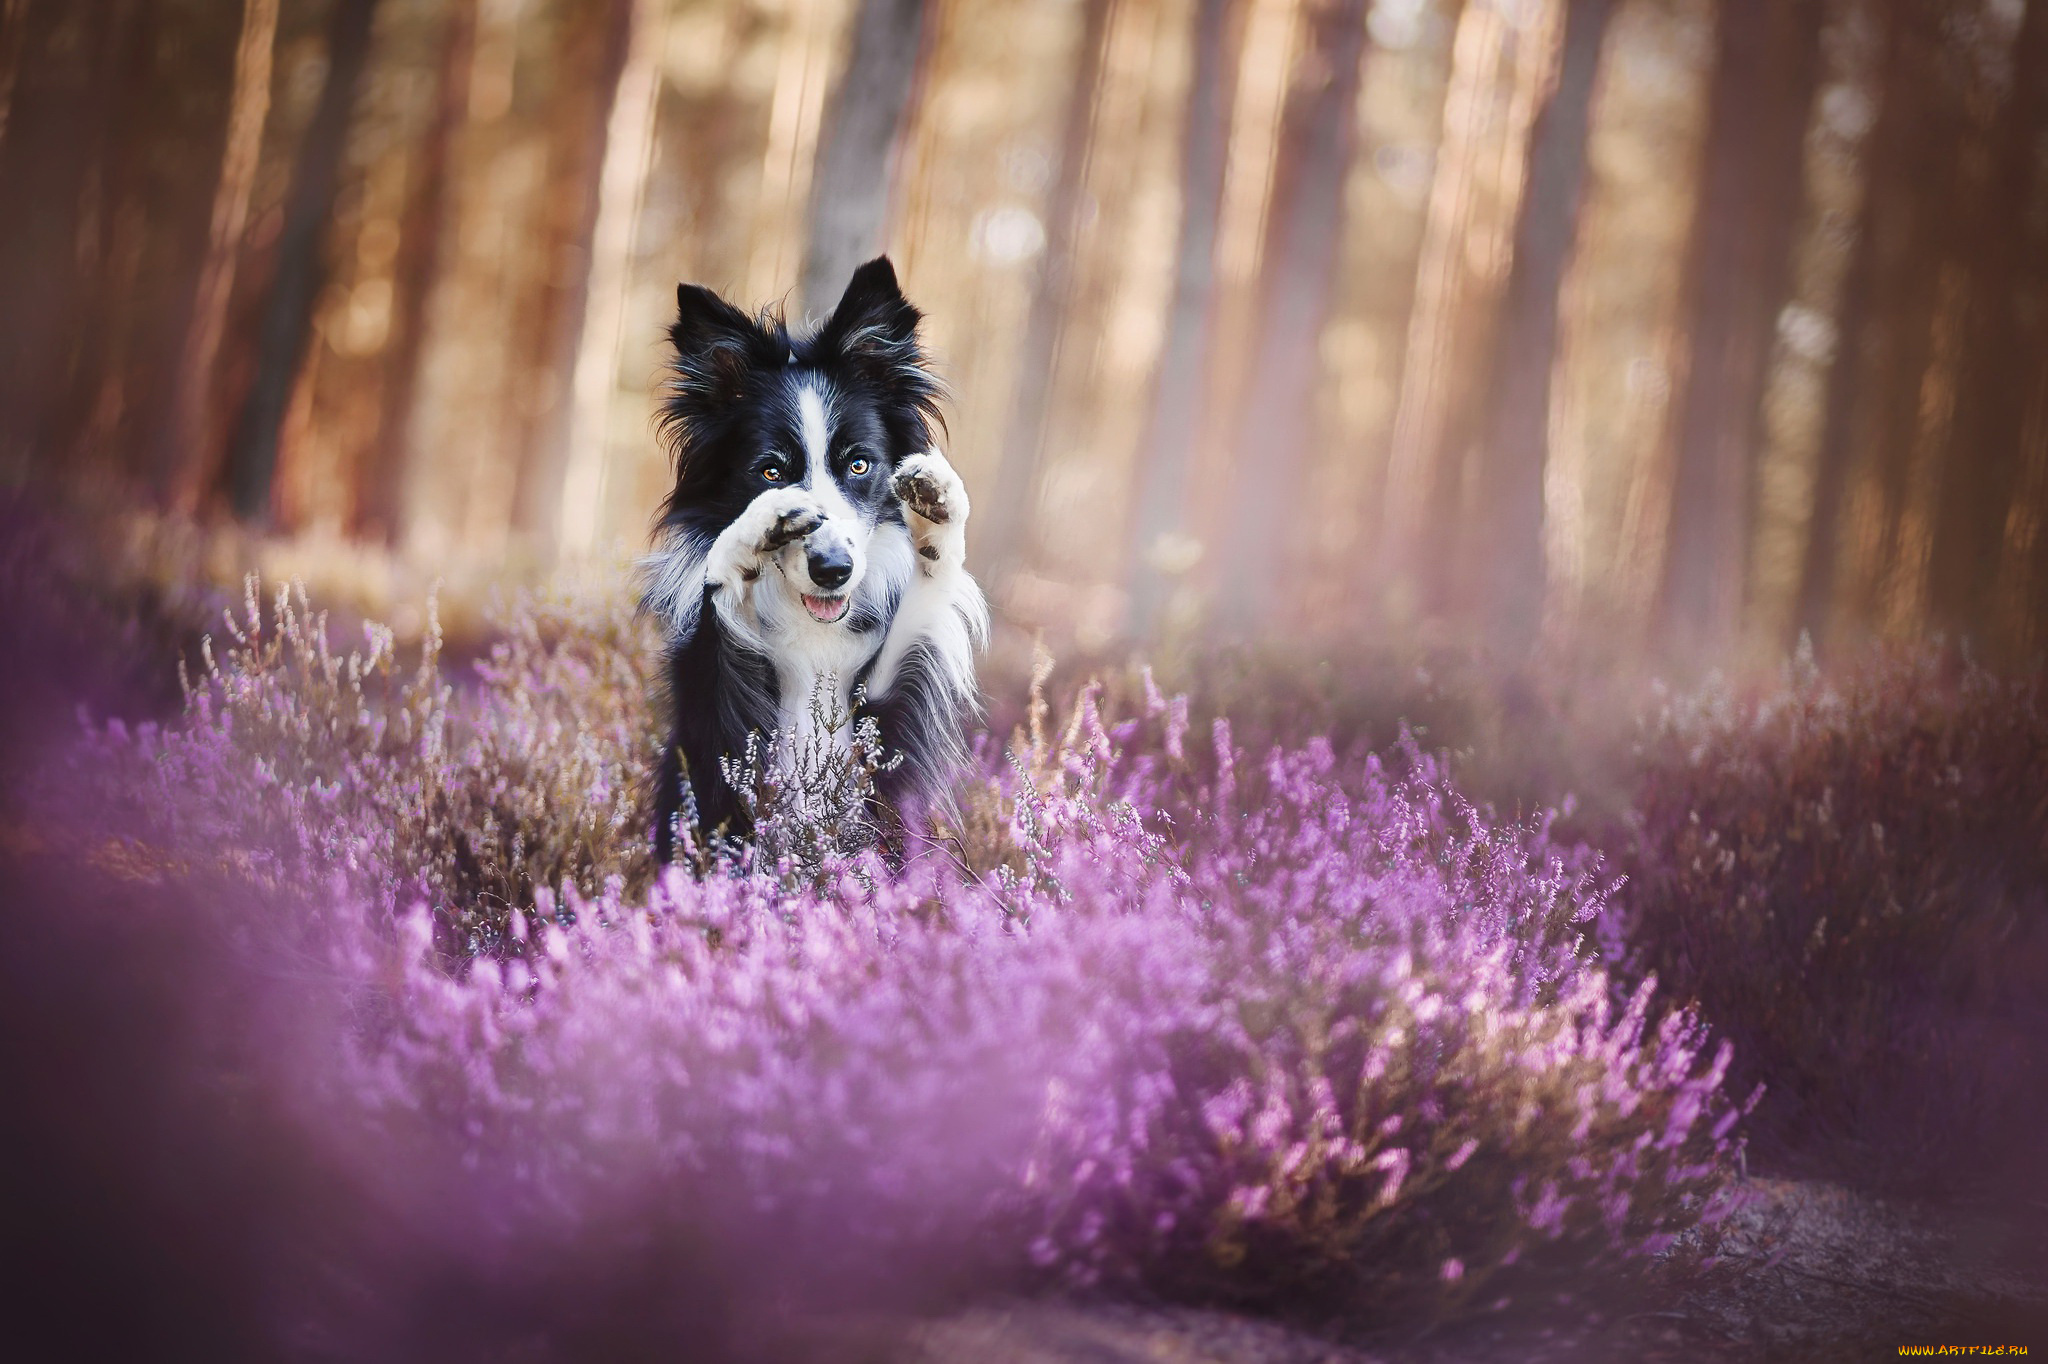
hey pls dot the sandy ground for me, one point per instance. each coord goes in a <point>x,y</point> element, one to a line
<point>1808,1272</point>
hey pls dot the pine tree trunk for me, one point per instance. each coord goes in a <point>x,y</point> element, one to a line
<point>1508,544</point>
<point>2026,567</point>
<point>13,41</point>
<point>864,125</point>
<point>1008,509</point>
<point>1297,280</point>
<point>98,331</point>
<point>1766,72</point>
<point>1501,63</point>
<point>2005,246</point>
<point>301,263</point>
<point>1908,305</point>
<point>380,479</point>
<point>1856,351</point>
<point>1177,408</point>
<point>628,161</point>
<point>63,112</point>
<point>1873,404</point>
<point>184,456</point>
<point>576,171</point>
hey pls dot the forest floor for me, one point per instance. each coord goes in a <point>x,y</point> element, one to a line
<point>1808,1273</point>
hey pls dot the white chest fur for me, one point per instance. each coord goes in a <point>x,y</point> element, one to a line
<point>816,666</point>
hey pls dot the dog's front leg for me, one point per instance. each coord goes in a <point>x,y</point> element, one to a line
<point>935,507</point>
<point>743,550</point>
<point>942,607</point>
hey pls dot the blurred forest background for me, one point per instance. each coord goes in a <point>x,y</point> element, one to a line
<point>1583,323</point>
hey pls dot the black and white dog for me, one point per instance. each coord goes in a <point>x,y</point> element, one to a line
<point>816,538</point>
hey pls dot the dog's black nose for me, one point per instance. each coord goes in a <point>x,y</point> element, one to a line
<point>830,565</point>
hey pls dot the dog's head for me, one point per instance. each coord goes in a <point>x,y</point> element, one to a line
<point>753,407</point>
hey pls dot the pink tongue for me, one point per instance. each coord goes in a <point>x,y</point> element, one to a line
<point>826,609</point>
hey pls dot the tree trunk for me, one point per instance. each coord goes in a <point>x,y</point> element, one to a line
<point>850,191</point>
<point>1909,309</point>
<point>576,169</point>
<point>98,332</point>
<point>1874,394</point>
<point>1508,547</point>
<point>183,452</point>
<point>13,40</point>
<point>53,180</point>
<point>1177,408</point>
<point>1765,75</point>
<point>1855,351</point>
<point>301,263</point>
<point>628,161</point>
<point>1009,508</point>
<point>2026,566</point>
<point>380,479</point>
<point>1298,279</point>
<point>2006,247</point>
<point>1502,61</point>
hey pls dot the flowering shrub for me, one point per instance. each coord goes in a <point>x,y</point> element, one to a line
<point>1850,874</point>
<point>308,765</point>
<point>1373,1057</point>
<point>1269,1029</point>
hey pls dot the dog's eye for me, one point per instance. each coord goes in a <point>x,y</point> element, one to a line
<point>773,473</point>
<point>858,466</point>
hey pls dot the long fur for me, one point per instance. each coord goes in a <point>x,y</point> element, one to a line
<point>807,473</point>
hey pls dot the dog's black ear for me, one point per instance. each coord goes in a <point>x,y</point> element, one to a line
<point>715,345</point>
<point>873,311</point>
<point>873,332</point>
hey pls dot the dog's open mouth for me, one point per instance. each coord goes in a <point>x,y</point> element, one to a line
<point>826,609</point>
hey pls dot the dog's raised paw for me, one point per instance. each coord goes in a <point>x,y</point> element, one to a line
<point>928,486</point>
<point>783,516</point>
<point>794,524</point>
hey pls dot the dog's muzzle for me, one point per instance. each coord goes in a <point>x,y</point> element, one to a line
<point>830,563</point>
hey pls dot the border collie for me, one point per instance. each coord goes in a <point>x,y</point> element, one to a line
<point>814,547</point>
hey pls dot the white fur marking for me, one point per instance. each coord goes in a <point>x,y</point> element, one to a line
<point>810,406</point>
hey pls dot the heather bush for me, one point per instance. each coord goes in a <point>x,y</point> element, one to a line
<point>1276,1028</point>
<point>306,765</point>
<point>1850,874</point>
<point>1522,734</point>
